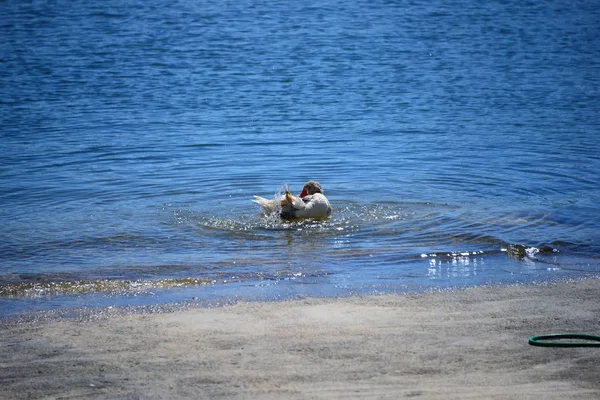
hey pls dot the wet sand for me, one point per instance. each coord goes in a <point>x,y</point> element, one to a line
<point>470,344</point>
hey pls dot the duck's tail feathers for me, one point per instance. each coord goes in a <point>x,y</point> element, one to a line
<point>268,205</point>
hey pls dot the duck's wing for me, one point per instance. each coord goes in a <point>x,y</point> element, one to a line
<point>297,203</point>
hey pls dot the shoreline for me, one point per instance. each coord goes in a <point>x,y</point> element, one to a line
<point>91,306</point>
<point>470,343</point>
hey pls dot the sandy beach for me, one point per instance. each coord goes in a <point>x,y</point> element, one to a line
<point>465,344</point>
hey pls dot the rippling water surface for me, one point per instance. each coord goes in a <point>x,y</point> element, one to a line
<point>457,142</point>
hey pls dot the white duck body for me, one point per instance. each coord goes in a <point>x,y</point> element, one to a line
<point>311,203</point>
<point>309,206</point>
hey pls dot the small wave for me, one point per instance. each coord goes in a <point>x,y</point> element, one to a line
<point>445,254</point>
<point>517,251</point>
<point>37,289</point>
<point>520,251</point>
<point>11,288</point>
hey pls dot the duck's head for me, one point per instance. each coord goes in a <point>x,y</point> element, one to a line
<point>311,187</point>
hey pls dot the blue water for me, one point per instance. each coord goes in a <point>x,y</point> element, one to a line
<point>456,140</point>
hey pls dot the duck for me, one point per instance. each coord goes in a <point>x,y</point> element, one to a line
<point>310,203</point>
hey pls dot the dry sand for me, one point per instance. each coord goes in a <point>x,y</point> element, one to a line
<point>470,344</point>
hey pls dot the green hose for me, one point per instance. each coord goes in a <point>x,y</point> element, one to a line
<point>542,340</point>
